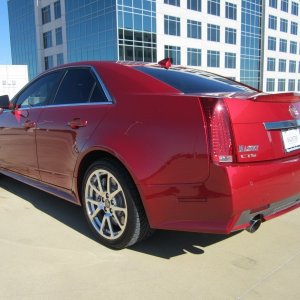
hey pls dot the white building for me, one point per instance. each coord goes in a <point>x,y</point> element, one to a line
<point>12,79</point>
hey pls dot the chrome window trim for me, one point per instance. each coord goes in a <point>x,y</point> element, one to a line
<point>281,124</point>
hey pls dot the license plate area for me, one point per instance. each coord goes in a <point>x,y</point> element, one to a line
<point>291,139</point>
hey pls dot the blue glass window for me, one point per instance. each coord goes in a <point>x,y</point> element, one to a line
<point>46,14</point>
<point>283,25</point>
<point>60,59</point>
<point>291,85</point>
<point>295,8</point>
<point>281,85</point>
<point>293,47</point>
<point>230,10</point>
<point>298,84</point>
<point>57,10</point>
<point>174,52</point>
<point>213,59</point>
<point>230,36</point>
<point>292,66</point>
<point>172,25</point>
<point>48,62</point>
<point>47,39</point>
<point>285,5</point>
<point>272,43</point>
<point>294,28</point>
<point>173,2</point>
<point>230,60</point>
<point>273,3</point>
<point>213,7</point>
<point>270,84</point>
<point>271,64</point>
<point>282,65</point>
<point>272,22</point>
<point>213,33</point>
<point>58,36</point>
<point>194,57</point>
<point>283,45</point>
<point>194,29</point>
<point>194,5</point>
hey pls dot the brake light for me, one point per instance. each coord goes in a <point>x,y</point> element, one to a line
<point>220,135</point>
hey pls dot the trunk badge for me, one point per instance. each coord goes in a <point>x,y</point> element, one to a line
<point>293,111</point>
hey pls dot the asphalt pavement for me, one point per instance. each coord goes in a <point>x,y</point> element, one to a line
<point>48,252</point>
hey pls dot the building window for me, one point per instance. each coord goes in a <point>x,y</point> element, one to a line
<point>60,59</point>
<point>174,53</point>
<point>230,36</point>
<point>272,22</point>
<point>172,25</point>
<point>283,25</point>
<point>270,84</point>
<point>58,36</point>
<point>282,65</point>
<point>193,57</point>
<point>273,3</point>
<point>292,66</point>
<point>294,28</point>
<point>271,64</point>
<point>194,29</point>
<point>281,85</point>
<point>230,11</point>
<point>230,60</point>
<point>213,33</point>
<point>173,2</point>
<point>47,39</point>
<point>299,67</point>
<point>283,45</point>
<point>213,59</point>
<point>46,14</point>
<point>213,7</point>
<point>293,47</point>
<point>271,43</point>
<point>298,84</point>
<point>295,8</point>
<point>48,62</point>
<point>57,10</point>
<point>285,5</point>
<point>292,84</point>
<point>194,5</point>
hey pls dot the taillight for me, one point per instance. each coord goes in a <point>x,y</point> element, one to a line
<point>219,130</point>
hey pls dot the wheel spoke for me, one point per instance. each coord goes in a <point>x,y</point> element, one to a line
<point>95,212</point>
<point>92,201</point>
<point>102,224</point>
<point>95,189</point>
<point>109,226</point>
<point>108,183</point>
<point>113,194</point>
<point>99,183</point>
<point>117,220</point>
<point>122,209</point>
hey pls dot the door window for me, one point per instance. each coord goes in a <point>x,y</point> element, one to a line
<point>40,91</point>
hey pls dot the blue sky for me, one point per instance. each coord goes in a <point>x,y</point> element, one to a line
<point>5,55</point>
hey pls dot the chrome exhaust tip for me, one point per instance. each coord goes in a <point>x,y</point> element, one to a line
<point>254,224</point>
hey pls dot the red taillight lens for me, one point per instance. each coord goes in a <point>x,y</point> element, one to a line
<point>220,130</point>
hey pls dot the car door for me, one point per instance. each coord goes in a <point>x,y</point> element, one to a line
<point>67,123</point>
<point>18,126</point>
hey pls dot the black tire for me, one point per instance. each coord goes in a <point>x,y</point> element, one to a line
<point>117,218</point>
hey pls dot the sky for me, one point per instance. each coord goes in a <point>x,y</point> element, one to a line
<point>5,55</point>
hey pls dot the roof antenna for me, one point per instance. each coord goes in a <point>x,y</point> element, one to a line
<point>165,63</point>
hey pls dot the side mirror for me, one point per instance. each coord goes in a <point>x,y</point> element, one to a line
<point>4,102</point>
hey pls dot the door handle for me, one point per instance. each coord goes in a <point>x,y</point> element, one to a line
<point>29,124</point>
<point>76,123</point>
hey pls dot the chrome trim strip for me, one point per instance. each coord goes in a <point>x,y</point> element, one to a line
<point>282,124</point>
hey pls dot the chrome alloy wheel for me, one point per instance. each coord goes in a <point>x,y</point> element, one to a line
<point>106,204</point>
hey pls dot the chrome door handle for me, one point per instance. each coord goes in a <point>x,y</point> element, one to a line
<point>29,124</point>
<point>76,123</point>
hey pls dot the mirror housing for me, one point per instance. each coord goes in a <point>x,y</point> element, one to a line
<point>4,102</point>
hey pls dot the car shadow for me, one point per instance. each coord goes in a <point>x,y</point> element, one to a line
<point>164,244</point>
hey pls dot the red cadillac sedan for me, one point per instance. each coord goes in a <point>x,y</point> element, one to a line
<point>143,147</point>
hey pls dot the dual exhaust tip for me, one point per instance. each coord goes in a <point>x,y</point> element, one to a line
<point>254,224</point>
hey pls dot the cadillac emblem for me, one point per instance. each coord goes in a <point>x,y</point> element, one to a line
<point>293,111</point>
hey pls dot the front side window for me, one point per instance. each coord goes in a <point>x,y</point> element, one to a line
<point>46,14</point>
<point>213,32</point>
<point>172,25</point>
<point>194,29</point>
<point>174,53</point>
<point>194,5</point>
<point>40,91</point>
<point>213,59</point>
<point>230,36</point>
<point>230,10</point>
<point>213,7</point>
<point>79,86</point>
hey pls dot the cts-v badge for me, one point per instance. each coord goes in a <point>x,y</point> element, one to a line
<point>248,148</point>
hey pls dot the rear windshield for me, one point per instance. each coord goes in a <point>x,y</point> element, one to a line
<point>190,81</point>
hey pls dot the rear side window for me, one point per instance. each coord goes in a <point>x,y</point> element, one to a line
<point>190,82</point>
<point>79,86</point>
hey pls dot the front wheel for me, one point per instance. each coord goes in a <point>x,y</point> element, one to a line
<point>112,205</point>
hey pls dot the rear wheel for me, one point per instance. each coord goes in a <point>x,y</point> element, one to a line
<point>112,205</point>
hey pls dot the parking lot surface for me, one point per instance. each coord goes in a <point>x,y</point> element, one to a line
<point>47,252</point>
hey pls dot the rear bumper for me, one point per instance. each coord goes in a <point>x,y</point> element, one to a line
<point>228,200</point>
